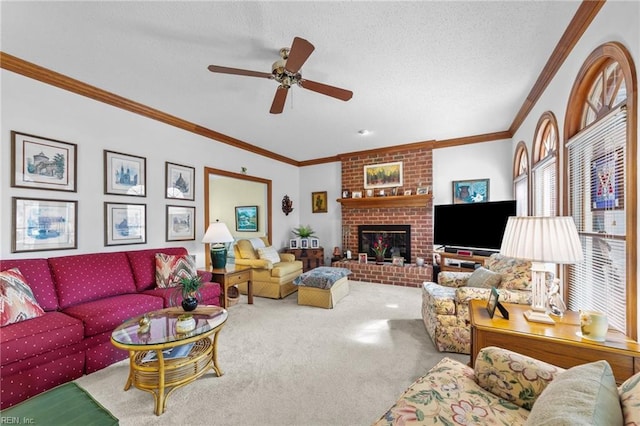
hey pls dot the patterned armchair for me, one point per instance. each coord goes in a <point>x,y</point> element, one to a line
<point>445,305</point>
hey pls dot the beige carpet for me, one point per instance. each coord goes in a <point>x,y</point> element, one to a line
<point>286,364</point>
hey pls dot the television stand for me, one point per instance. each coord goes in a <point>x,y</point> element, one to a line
<point>460,263</point>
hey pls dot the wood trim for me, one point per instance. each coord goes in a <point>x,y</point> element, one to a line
<point>386,202</point>
<point>467,140</point>
<point>581,20</point>
<point>36,72</point>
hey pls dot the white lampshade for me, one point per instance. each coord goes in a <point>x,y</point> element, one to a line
<point>552,239</point>
<point>217,232</point>
<point>549,239</point>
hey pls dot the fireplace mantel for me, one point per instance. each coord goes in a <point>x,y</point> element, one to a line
<point>390,201</point>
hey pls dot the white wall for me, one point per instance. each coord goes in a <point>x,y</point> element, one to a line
<point>617,21</point>
<point>492,160</point>
<point>328,226</point>
<point>39,109</point>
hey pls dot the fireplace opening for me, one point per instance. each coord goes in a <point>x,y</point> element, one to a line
<point>396,237</point>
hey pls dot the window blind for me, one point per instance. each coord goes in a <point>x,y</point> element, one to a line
<point>544,181</point>
<point>597,173</point>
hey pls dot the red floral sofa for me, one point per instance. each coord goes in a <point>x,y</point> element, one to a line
<point>84,297</point>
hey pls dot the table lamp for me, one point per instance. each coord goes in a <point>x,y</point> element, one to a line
<point>541,240</point>
<point>218,235</point>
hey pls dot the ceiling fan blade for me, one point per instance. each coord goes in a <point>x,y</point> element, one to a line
<point>238,71</point>
<point>334,92</point>
<point>300,51</point>
<point>278,100</point>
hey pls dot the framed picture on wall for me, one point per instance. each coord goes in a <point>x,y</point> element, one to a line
<point>40,224</point>
<point>125,224</point>
<point>179,181</point>
<point>383,175</point>
<point>470,191</point>
<point>42,163</point>
<point>181,223</point>
<point>319,202</point>
<point>125,174</point>
<point>247,218</point>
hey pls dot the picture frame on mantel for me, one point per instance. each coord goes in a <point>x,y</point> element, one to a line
<point>383,175</point>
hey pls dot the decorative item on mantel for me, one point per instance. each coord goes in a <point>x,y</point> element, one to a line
<point>287,205</point>
<point>379,248</point>
<point>218,236</point>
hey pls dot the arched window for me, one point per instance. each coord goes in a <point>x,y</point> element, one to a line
<point>521,179</point>
<point>545,166</point>
<point>600,157</point>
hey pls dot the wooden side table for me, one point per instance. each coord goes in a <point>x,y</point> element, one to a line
<point>559,344</point>
<point>232,275</point>
<point>311,257</point>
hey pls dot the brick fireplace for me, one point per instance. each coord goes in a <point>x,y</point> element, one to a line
<point>417,162</point>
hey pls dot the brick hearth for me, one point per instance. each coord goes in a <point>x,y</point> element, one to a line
<point>406,276</point>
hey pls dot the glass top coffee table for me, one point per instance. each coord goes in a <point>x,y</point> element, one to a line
<point>163,357</point>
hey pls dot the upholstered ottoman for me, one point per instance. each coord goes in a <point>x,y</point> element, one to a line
<point>322,287</point>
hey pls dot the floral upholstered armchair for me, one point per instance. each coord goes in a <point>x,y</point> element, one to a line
<point>508,388</point>
<point>445,305</point>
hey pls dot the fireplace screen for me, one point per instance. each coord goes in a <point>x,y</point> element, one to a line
<point>396,237</point>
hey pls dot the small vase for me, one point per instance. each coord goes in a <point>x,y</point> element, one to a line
<point>379,259</point>
<point>189,303</point>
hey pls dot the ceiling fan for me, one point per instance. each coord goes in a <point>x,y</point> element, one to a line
<point>286,72</point>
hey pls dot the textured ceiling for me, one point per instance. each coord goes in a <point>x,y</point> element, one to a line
<point>419,70</point>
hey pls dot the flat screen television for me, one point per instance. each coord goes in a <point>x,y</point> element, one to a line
<point>473,225</point>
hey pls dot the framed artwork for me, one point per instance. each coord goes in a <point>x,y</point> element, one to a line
<point>181,223</point>
<point>319,202</point>
<point>423,190</point>
<point>362,258</point>
<point>40,224</point>
<point>345,193</point>
<point>42,163</point>
<point>383,175</point>
<point>492,302</point>
<point>397,260</point>
<point>470,191</point>
<point>304,243</point>
<point>125,224</point>
<point>356,194</point>
<point>125,174</point>
<point>314,243</point>
<point>407,192</point>
<point>247,218</point>
<point>369,192</point>
<point>179,181</point>
<point>293,243</point>
<point>606,182</point>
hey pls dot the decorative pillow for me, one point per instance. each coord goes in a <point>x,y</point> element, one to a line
<point>582,395</point>
<point>171,269</point>
<point>17,302</point>
<point>245,248</point>
<point>484,278</point>
<point>269,253</point>
<point>629,393</point>
<point>257,243</point>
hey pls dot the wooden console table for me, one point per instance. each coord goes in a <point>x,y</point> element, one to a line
<point>311,258</point>
<point>460,259</point>
<point>558,344</point>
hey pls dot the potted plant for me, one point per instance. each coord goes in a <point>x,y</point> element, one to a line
<point>303,231</point>
<point>189,288</point>
<point>379,248</point>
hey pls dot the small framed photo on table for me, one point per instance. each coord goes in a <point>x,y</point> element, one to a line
<point>294,243</point>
